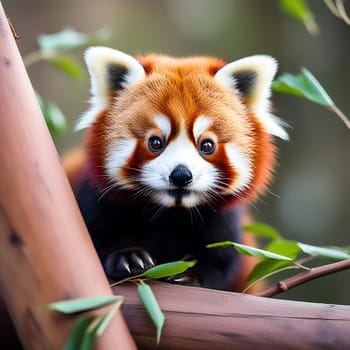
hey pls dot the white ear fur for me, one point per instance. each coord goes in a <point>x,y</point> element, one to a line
<point>252,77</point>
<point>110,70</point>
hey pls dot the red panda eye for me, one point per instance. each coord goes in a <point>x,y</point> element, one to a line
<point>155,144</point>
<point>207,146</point>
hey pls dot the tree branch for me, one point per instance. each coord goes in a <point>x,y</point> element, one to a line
<point>305,276</point>
<point>46,253</point>
<point>199,318</point>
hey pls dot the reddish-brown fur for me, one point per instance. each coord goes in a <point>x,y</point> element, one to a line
<point>181,89</point>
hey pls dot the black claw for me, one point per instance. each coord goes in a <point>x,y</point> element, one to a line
<point>147,259</point>
<point>136,261</point>
<point>123,264</point>
<point>183,278</point>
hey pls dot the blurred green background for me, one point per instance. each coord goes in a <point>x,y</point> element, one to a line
<point>311,187</point>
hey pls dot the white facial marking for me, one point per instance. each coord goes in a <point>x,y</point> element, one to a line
<point>97,104</point>
<point>164,125</point>
<point>201,125</point>
<point>265,68</point>
<point>97,60</point>
<point>241,165</point>
<point>155,173</point>
<point>274,125</point>
<point>118,156</point>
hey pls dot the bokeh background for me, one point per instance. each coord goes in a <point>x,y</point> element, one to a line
<point>311,189</point>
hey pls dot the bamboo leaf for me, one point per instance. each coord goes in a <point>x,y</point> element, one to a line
<point>262,230</point>
<point>152,307</point>
<point>88,341</point>
<point>250,251</point>
<point>68,66</point>
<point>284,247</point>
<point>83,304</point>
<point>69,38</point>
<point>243,249</point>
<point>168,269</point>
<point>333,253</point>
<point>266,268</point>
<point>77,339</point>
<point>54,118</point>
<point>88,328</point>
<point>299,10</point>
<point>108,317</point>
<point>304,85</point>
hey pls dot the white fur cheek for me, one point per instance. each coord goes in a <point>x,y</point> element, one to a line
<point>242,167</point>
<point>117,158</point>
<point>155,174</point>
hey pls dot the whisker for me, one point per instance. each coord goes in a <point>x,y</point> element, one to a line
<point>157,213</point>
<point>197,211</point>
<point>107,190</point>
<point>266,190</point>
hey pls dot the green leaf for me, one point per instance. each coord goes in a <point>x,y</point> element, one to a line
<point>78,338</point>
<point>284,247</point>
<point>54,118</point>
<point>262,230</point>
<point>333,253</point>
<point>250,251</point>
<point>87,328</point>
<point>304,85</point>
<point>267,267</point>
<point>68,65</point>
<point>68,39</point>
<point>152,307</point>
<point>243,249</point>
<point>106,319</point>
<point>88,340</point>
<point>300,11</point>
<point>222,244</point>
<point>168,269</point>
<point>83,304</point>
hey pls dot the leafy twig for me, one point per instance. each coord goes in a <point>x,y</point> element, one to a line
<point>306,86</point>
<point>305,276</point>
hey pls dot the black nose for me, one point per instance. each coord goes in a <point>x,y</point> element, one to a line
<point>181,176</point>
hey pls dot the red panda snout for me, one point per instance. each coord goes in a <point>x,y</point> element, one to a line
<point>181,176</point>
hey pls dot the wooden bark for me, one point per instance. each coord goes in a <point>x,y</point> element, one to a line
<point>205,319</point>
<point>45,251</point>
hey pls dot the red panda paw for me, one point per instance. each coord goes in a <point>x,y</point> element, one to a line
<point>127,263</point>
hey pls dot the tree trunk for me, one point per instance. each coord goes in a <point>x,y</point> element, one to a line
<point>203,319</point>
<point>45,251</point>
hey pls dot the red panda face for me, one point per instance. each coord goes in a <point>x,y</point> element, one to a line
<point>180,132</point>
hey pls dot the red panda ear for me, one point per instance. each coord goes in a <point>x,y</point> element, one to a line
<point>110,71</point>
<point>251,77</point>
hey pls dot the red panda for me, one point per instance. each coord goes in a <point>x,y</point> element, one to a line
<point>175,148</point>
